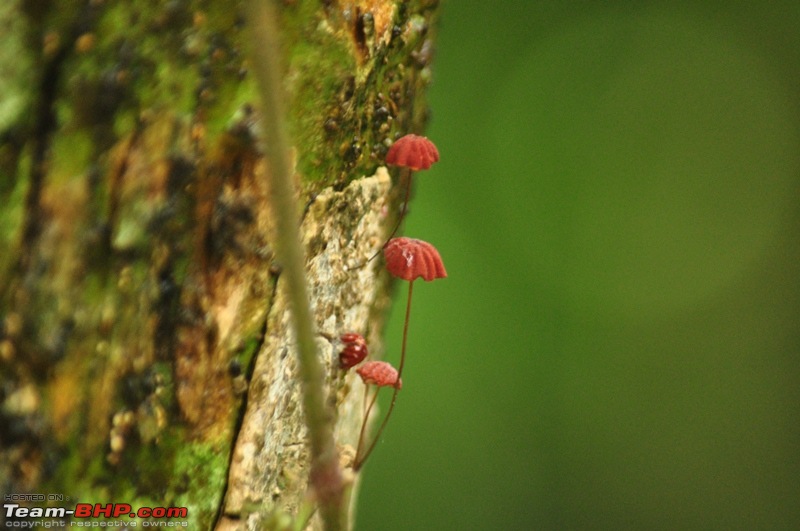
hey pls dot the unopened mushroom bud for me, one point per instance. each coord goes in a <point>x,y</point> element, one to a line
<point>354,351</point>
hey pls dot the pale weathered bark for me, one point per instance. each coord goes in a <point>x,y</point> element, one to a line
<point>145,353</point>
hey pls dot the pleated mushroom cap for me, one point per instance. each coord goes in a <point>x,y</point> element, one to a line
<point>409,259</point>
<point>379,373</point>
<point>412,151</point>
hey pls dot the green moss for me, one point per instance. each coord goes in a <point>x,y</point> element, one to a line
<point>232,96</point>
<point>124,123</point>
<point>173,473</point>
<point>72,153</point>
<point>205,469</point>
<point>137,62</point>
<point>173,81</point>
<point>11,217</point>
<point>16,65</point>
<point>317,73</point>
<point>225,88</point>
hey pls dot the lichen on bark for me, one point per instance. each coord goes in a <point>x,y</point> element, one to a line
<point>269,469</point>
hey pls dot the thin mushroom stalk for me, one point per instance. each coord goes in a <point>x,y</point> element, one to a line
<point>380,374</point>
<point>408,174</point>
<point>359,462</point>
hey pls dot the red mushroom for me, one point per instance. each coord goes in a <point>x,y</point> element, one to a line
<point>415,153</point>
<point>380,374</point>
<point>408,259</point>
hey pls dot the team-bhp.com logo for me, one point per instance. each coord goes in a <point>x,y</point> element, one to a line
<point>93,515</point>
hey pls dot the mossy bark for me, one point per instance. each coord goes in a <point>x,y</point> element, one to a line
<point>145,355</point>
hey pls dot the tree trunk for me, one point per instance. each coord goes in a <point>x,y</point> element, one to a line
<point>145,350</point>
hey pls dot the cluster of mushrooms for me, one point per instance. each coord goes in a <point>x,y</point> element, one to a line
<point>407,259</point>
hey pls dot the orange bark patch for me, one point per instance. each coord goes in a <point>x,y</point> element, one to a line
<point>65,394</point>
<point>368,35</point>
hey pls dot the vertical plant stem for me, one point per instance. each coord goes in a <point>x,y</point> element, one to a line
<point>326,476</point>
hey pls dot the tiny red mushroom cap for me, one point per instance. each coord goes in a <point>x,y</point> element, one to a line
<point>412,151</point>
<point>354,351</point>
<point>409,259</point>
<point>379,373</point>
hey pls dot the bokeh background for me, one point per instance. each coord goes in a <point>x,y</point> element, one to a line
<point>618,343</point>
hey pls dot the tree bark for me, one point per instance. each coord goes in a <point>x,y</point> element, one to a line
<point>145,351</point>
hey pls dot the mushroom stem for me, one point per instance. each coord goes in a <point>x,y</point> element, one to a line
<point>359,463</point>
<point>405,338</point>
<point>366,395</point>
<point>367,411</point>
<point>399,219</point>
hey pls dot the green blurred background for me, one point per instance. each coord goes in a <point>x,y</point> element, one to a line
<point>617,345</point>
